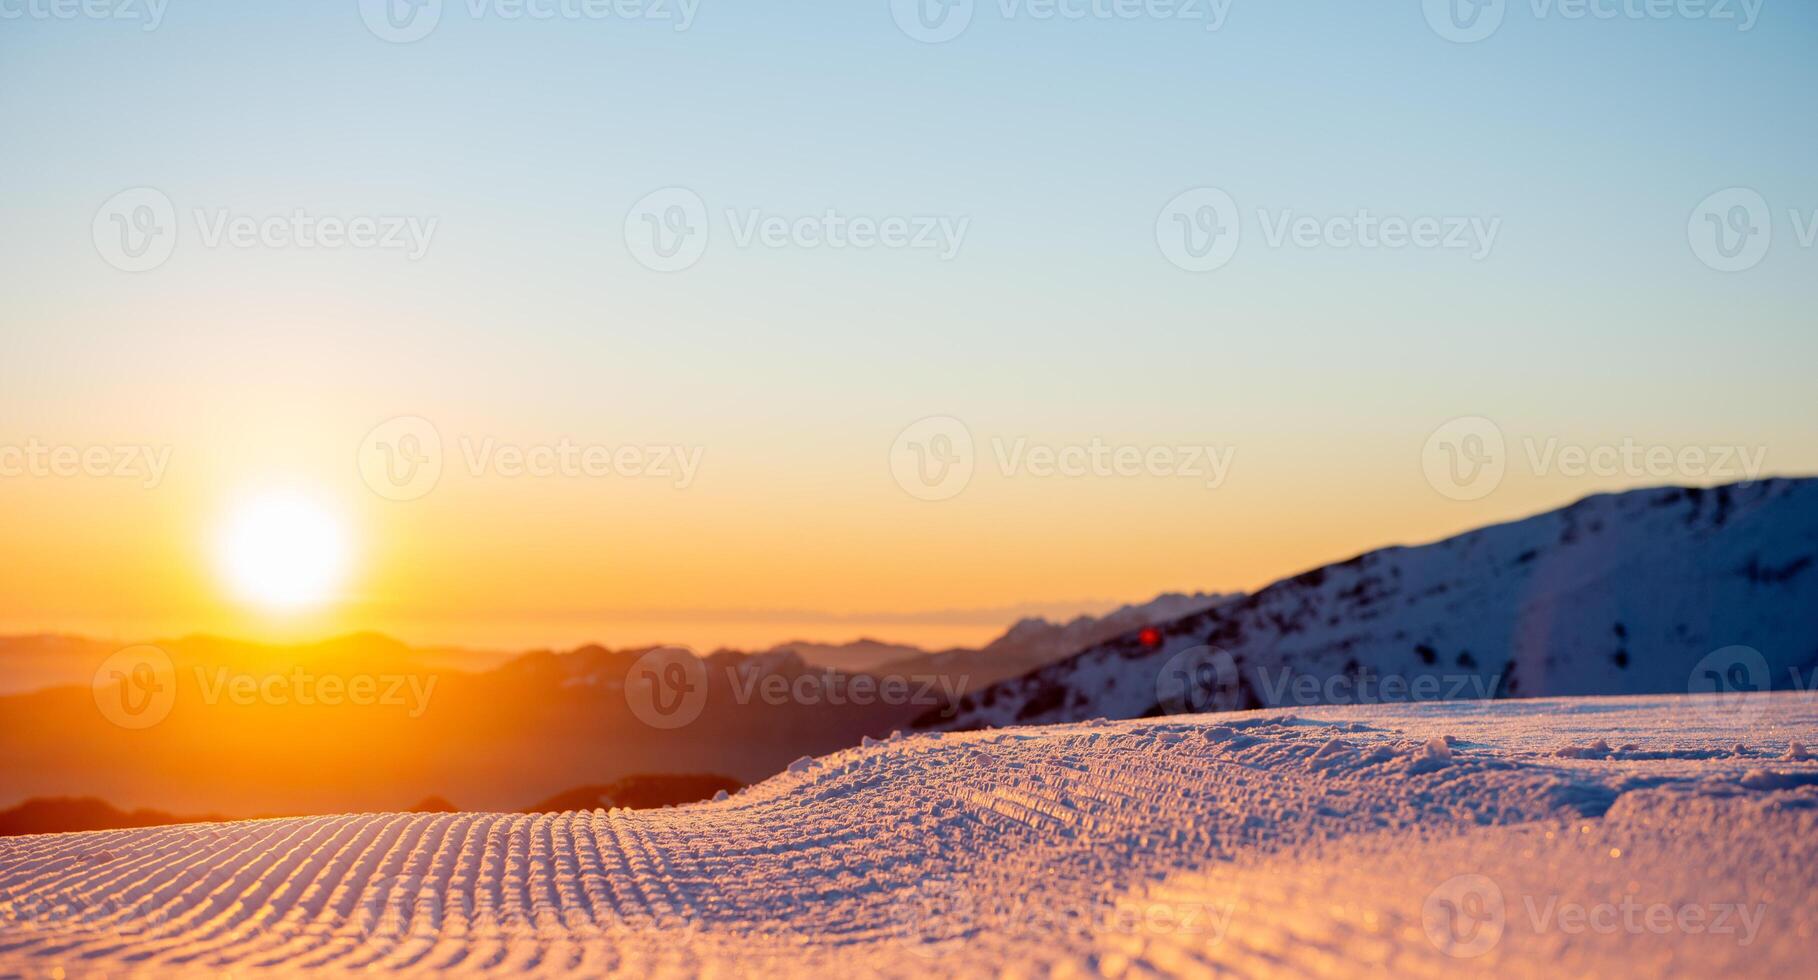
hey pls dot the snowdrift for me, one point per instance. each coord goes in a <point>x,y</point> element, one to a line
<point>1659,835</point>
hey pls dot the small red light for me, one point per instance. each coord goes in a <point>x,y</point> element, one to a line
<point>1150,636</point>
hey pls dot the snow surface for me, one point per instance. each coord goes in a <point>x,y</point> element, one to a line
<point>1515,837</point>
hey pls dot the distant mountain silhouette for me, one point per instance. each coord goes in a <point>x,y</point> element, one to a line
<point>1628,593</point>
<point>434,804</point>
<point>63,814</point>
<point>863,654</point>
<point>1034,643</point>
<point>37,662</point>
<point>646,791</point>
<point>1028,644</point>
<point>490,735</point>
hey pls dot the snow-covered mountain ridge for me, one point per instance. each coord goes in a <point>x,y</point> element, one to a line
<point>1659,590</point>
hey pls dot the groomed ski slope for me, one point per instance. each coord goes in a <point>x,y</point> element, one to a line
<point>1505,838</point>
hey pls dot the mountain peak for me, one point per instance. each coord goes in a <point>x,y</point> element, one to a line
<point>1614,593</point>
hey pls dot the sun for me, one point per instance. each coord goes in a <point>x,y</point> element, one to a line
<point>283,552</point>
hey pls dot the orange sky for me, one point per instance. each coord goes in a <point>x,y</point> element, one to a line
<point>757,550</point>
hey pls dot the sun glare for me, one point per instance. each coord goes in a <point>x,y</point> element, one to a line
<point>283,552</point>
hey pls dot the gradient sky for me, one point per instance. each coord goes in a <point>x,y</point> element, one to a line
<point>529,320</point>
